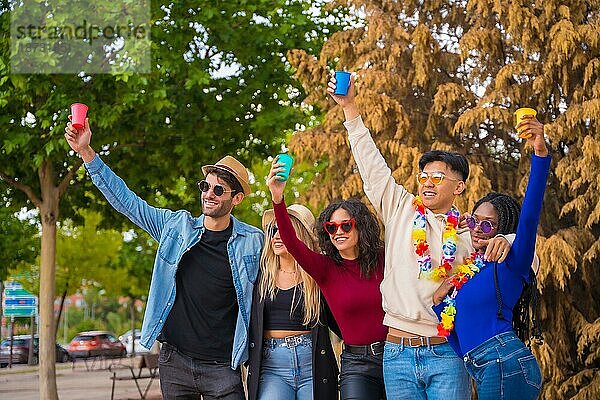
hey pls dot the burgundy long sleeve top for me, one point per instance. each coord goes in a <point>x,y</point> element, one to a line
<point>355,301</point>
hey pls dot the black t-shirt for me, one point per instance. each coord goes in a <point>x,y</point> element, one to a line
<point>202,322</point>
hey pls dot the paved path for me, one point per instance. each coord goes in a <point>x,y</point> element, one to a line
<point>22,383</point>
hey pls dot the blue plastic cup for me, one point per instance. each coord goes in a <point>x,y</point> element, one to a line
<point>287,160</point>
<point>342,83</point>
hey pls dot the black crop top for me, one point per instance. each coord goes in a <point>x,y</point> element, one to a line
<point>277,311</point>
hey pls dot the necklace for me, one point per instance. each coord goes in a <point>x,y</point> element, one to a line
<point>419,235</point>
<point>287,272</point>
<point>465,271</point>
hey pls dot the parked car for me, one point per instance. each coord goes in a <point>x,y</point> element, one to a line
<point>129,341</point>
<point>96,343</point>
<point>20,352</point>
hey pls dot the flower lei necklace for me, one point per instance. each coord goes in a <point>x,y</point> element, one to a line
<point>419,236</point>
<point>465,271</point>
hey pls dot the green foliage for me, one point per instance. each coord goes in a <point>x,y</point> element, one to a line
<point>88,325</point>
<point>132,270</point>
<point>20,242</point>
<point>219,84</point>
<point>75,265</point>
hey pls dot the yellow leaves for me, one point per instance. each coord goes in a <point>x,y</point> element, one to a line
<point>589,336</point>
<point>593,252</point>
<point>477,185</point>
<point>592,70</point>
<point>564,40</point>
<point>560,255</point>
<point>583,385</point>
<point>476,116</point>
<point>481,42</point>
<point>448,101</point>
<point>424,53</point>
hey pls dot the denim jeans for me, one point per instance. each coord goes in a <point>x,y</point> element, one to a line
<point>427,372</point>
<point>286,372</point>
<point>361,377</point>
<point>504,368</point>
<point>185,378</point>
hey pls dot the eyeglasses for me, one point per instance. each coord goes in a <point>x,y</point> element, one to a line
<point>436,177</point>
<point>218,190</point>
<point>332,227</point>
<point>272,230</point>
<point>486,226</point>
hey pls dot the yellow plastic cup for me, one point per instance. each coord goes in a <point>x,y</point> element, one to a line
<point>519,114</point>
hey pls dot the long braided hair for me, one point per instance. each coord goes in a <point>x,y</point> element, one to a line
<point>526,311</point>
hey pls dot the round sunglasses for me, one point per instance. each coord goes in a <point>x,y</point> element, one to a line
<point>332,227</point>
<point>218,190</point>
<point>486,226</point>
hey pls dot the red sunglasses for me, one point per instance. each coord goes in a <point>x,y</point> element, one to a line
<point>332,227</point>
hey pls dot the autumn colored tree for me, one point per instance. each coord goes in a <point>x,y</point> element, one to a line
<point>218,83</point>
<point>449,75</point>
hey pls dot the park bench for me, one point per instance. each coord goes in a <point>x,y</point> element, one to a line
<point>146,368</point>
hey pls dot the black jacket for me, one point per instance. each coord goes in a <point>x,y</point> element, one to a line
<point>325,369</point>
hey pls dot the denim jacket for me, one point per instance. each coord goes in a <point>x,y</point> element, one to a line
<point>176,232</point>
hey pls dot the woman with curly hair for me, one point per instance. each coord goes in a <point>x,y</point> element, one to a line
<point>349,271</point>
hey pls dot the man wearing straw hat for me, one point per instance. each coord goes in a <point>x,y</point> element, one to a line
<point>202,280</point>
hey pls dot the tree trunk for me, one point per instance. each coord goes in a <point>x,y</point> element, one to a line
<point>49,217</point>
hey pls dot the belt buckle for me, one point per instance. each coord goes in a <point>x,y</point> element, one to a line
<point>372,348</point>
<point>292,341</point>
<point>420,343</point>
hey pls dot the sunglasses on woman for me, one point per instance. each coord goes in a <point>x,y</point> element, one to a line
<point>218,190</point>
<point>272,230</point>
<point>332,227</point>
<point>486,226</point>
<point>436,177</point>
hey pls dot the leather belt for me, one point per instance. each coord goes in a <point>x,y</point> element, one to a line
<point>416,341</point>
<point>373,349</point>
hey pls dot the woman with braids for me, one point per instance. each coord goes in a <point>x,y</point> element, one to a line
<point>349,272</point>
<point>476,306</point>
<point>290,355</point>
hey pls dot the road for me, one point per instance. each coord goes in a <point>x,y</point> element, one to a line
<point>22,383</point>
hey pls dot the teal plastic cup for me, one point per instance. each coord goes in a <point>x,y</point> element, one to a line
<point>287,160</point>
<point>342,83</point>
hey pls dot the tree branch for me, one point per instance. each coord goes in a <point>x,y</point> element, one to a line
<point>24,188</point>
<point>64,184</point>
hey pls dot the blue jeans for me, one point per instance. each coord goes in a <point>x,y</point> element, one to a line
<point>427,372</point>
<point>286,370</point>
<point>504,368</point>
<point>183,377</point>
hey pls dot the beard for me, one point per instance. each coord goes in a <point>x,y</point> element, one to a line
<point>223,208</point>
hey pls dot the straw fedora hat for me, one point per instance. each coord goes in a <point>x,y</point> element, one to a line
<point>303,214</point>
<point>234,167</point>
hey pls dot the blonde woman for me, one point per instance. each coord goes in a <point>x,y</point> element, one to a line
<point>290,351</point>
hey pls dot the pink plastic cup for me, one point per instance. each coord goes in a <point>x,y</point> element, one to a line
<point>78,114</point>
